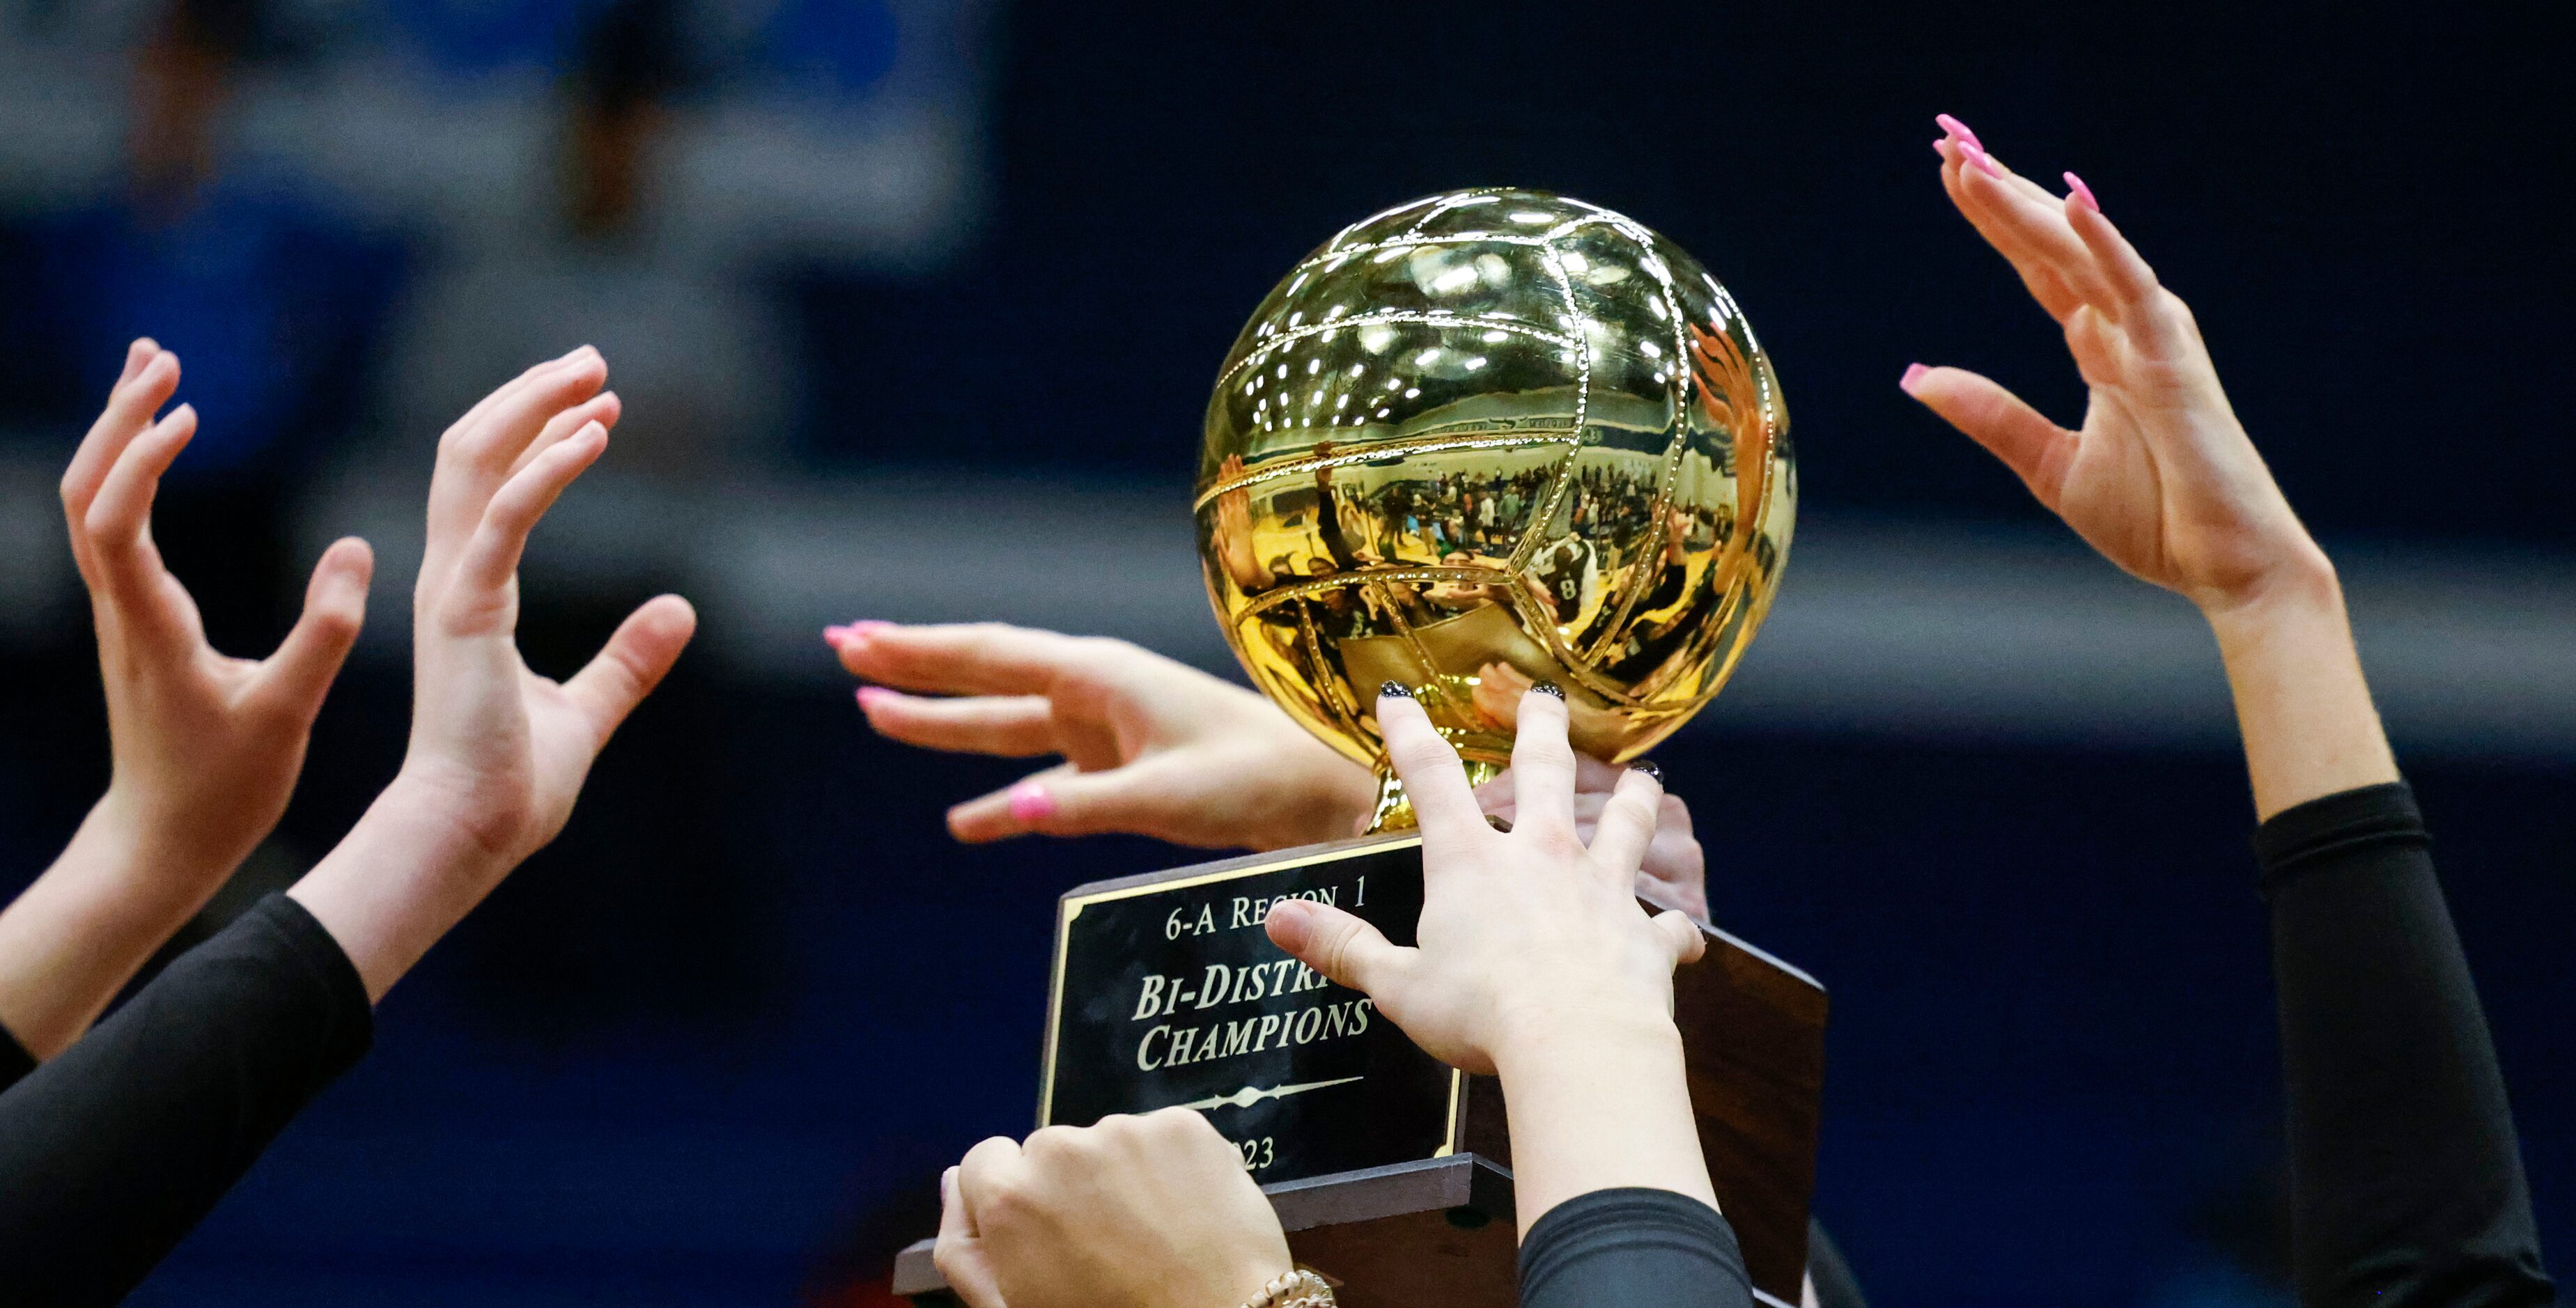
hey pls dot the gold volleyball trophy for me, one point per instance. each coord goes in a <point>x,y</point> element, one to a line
<point>1481,440</point>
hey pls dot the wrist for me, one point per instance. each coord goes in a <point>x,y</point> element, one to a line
<point>1540,1041</point>
<point>153,861</point>
<point>2303,705</point>
<point>2302,579</point>
<point>407,872</point>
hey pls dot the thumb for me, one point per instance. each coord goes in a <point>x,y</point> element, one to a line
<point>633,662</point>
<point>1688,942</point>
<point>959,1254</point>
<point>1340,945</point>
<point>2034,448</point>
<point>299,674</point>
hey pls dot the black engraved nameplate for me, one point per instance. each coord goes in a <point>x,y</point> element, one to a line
<point>1168,992</point>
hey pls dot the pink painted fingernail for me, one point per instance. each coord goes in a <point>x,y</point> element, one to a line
<point>1030,802</point>
<point>832,634</point>
<point>1913,377</point>
<point>1958,131</point>
<point>1977,155</point>
<point>2083,194</point>
<point>871,696</point>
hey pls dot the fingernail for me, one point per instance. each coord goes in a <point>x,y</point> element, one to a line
<point>1936,149</point>
<point>1977,155</point>
<point>1030,802</point>
<point>1913,377</point>
<point>1958,131</point>
<point>866,627</point>
<point>1396,688</point>
<point>832,634</point>
<point>1549,689</point>
<point>1651,768</point>
<point>2083,194</point>
<point>871,696</point>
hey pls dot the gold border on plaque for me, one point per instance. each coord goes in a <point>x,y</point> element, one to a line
<point>1071,906</point>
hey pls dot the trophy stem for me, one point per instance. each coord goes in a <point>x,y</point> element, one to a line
<point>1395,810</point>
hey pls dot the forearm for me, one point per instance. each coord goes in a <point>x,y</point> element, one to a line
<point>2406,1180</point>
<point>90,922</point>
<point>1600,1104</point>
<point>2302,704</point>
<point>110,1153</point>
<point>404,875</point>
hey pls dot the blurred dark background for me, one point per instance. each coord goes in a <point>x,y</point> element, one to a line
<point>915,303</point>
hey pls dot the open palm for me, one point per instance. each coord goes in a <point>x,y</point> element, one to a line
<point>2161,477</point>
<point>510,748</point>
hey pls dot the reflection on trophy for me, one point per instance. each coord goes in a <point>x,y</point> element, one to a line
<point>1479,441</point>
<point>1485,439</point>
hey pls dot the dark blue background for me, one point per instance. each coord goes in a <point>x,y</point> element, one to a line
<point>754,996</point>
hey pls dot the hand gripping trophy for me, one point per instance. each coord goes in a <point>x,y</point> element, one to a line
<point>1478,441</point>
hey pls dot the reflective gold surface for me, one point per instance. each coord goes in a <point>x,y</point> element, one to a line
<point>1489,438</point>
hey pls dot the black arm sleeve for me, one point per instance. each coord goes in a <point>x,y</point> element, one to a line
<point>2406,1182</point>
<point>1632,1248</point>
<point>112,1151</point>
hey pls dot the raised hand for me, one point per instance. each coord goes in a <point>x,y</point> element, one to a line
<point>498,753</point>
<point>1674,873</point>
<point>2160,477</point>
<point>1153,1212</point>
<point>1151,747</point>
<point>1533,963</point>
<point>206,747</point>
<point>1518,930</point>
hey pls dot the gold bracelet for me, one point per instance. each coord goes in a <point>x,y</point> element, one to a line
<point>1295,1288</point>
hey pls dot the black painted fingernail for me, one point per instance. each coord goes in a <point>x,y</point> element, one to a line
<point>1397,689</point>
<point>1550,689</point>
<point>1651,768</point>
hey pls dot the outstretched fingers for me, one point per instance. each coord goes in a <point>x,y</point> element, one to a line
<point>1543,769</point>
<point>1627,825</point>
<point>1064,800</point>
<point>2147,316</point>
<point>492,557</point>
<point>2026,225</point>
<point>632,663</point>
<point>1434,780</point>
<point>299,674</point>
<point>1005,726</point>
<point>1338,944</point>
<point>150,378</point>
<point>115,531</point>
<point>2037,450</point>
<point>965,658</point>
<point>604,408</point>
<point>507,392</point>
<point>479,457</point>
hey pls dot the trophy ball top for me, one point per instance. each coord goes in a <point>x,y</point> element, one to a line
<point>1488,439</point>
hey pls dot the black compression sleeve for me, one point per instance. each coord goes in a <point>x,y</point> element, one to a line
<point>112,1151</point>
<point>2406,1182</point>
<point>1632,1248</point>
